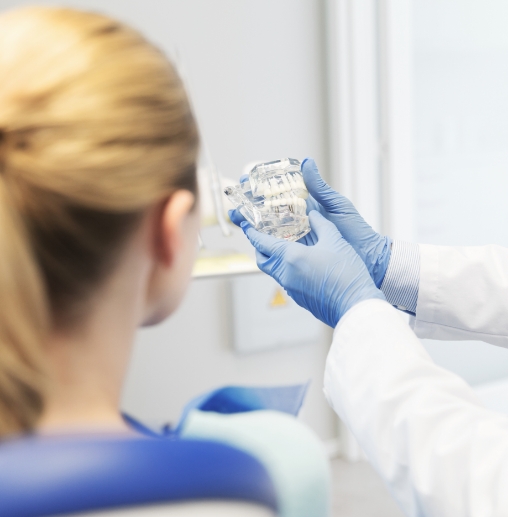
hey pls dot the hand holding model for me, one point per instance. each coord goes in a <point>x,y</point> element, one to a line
<point>373,248</point>
<point>341,262</point>
<point>326,278</point>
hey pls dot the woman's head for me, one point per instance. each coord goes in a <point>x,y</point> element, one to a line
<point>95,133</point>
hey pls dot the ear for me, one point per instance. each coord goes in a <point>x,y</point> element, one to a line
<point>171,225</point>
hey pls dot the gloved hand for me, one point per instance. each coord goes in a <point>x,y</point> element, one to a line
<point>326,278</point>
<point>373,248</point>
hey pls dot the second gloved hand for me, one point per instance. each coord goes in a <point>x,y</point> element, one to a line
<point>373,248</point>
<point>327,278</point>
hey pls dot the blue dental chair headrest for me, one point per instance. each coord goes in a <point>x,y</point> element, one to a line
<point>51,476</point>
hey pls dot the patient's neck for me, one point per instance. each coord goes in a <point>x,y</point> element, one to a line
<point>88,363</point>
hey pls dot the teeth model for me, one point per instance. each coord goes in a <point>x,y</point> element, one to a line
<point>284,184</point>
<point>285,190</point>
<point>273,200</point>
<point>294,203</point>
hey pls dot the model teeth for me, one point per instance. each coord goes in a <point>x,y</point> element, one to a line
<point>290,201</point>
<point>288,191</point>
<point>285,182</point>
<point>303,194</point>
<point>274,187</point>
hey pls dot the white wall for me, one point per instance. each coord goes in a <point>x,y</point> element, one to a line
<point>255,71</point>
<point>461,144</point>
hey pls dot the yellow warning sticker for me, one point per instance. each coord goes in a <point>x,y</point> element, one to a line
<point>279,299</point>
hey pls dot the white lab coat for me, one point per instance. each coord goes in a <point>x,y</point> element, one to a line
<point>439,451</point>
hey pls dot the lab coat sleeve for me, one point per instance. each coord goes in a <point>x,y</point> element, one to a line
<point>438,450</point>
<point>463,294</point>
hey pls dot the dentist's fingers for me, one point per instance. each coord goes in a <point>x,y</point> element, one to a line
<point>323,228</point>
<point>236,217</point>
<point>312,204</point>
<point>321,191</point>
<point>265,244</point>
<point>264,263</point>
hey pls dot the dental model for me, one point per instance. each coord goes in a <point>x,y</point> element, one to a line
<point>273,199</point>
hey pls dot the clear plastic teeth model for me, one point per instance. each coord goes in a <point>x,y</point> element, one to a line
<point>273,199</point>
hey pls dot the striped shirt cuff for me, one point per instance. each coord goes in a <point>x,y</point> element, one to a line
<point>400,284</point>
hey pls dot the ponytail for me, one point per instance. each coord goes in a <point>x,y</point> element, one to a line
<point>23,324</point>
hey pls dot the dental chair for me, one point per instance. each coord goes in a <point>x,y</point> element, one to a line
<point>236,451</point>
<point>131,477</point>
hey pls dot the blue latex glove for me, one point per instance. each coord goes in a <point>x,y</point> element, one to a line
<point>373,248</point>
<point>326,278</point>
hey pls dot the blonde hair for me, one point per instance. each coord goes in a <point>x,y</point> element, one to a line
<point>95,127</point>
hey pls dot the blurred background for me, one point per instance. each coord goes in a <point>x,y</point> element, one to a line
<point>404,106</point>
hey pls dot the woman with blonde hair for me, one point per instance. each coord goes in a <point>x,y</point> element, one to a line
<point>99,218</point>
